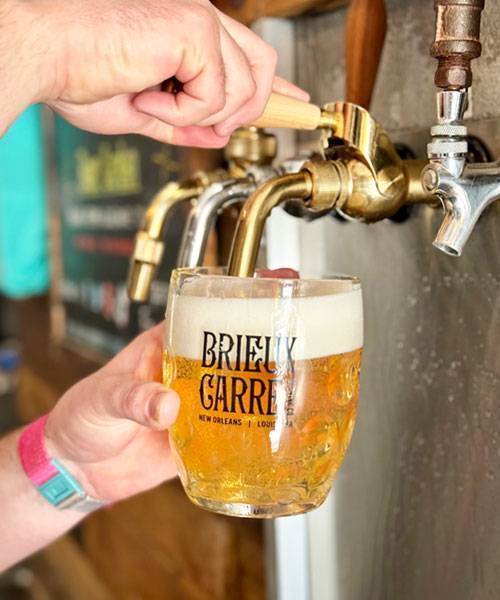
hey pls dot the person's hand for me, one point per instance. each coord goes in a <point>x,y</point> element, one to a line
<point>109,429</point>
<point>109,58</point>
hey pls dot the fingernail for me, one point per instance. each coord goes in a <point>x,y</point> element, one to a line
<point>164,408</point>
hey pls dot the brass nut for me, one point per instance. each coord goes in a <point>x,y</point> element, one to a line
<point>147,249</point>
<point>251,145</point>
<point>331,184</point>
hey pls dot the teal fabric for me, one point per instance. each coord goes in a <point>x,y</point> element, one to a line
<point>24,269</point>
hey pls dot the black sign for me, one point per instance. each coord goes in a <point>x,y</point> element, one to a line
<point>104,184</point>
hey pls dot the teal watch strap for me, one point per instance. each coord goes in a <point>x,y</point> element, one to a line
<point>63,491</point>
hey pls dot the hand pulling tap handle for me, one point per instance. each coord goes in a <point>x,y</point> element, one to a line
<point>280,111</point>
<point>365,35</point>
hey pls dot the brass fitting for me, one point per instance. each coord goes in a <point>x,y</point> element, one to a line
<point>320,185</point>
<point>249,146</point>
<point>361,176</point>
<point>381,182</point>
<point>149,247</point>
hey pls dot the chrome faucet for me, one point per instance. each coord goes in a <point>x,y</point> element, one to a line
<point>465,189</point>
<point>203,214</point>
<point>249,154</point>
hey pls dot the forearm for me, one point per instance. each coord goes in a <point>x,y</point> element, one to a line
<point>28,522</point>
<point>28,59</point>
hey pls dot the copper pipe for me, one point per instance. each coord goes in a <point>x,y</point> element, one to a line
<point>457,41</point>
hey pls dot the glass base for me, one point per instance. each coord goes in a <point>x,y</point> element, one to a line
<point>254,511</point>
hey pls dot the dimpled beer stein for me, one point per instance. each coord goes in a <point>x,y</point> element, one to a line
<point>267,371</point>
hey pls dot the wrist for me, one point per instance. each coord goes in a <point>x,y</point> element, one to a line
<point>61,485</point>
<point>76,468</point>
<point>30,61</point>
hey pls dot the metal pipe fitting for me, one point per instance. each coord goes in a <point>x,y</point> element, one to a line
<point>380,182</point>
<point>465,190</point>
<point>248,147</point>
<point>457,43</point>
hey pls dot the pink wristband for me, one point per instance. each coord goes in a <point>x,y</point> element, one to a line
<point>48,475</point>
<point>34,458</point>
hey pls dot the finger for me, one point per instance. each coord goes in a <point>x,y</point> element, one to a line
<point>203,88</point>
<point>194,136</point>
<point>117,115</point>
<point>262,59</point>
<point>240,83</point>
<point>200,137</point>
<point>146,403</point>
<point>282,86</point>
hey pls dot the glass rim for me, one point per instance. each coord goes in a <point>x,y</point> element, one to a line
<point>198,271</point>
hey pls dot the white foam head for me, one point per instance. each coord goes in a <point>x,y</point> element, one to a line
<point>323,324</point>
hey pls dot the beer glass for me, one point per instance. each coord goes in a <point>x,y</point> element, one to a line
<point>267,371</point>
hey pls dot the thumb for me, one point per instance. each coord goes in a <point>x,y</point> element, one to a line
<point>150,404</point>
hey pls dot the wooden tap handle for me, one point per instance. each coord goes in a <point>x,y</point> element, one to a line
<point>365,35</point>
<point>283,111</point>
<point>280,111</point>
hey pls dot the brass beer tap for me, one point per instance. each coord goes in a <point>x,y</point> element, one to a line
<point>248,148</point>
<point>149,245</point>
<point>360,175</point>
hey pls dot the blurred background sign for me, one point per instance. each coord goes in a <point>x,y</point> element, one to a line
<point>102,185</point>
<point>24,269</point>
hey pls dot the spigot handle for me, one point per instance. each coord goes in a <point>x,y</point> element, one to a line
<point>283,111</point>
<point>365,35</point>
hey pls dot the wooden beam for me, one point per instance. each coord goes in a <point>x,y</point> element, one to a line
<point>250,10</point>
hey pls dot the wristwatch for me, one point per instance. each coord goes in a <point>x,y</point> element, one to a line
<point>50,478</point>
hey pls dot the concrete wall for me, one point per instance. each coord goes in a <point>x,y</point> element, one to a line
<point>404,93</point>
<point>415,505</point>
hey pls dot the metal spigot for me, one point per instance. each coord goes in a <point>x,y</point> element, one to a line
<point>203,214</point>
<point>149,246</point>
<point>465,190</point>
<point>361,175</point>
<point>249,155</point>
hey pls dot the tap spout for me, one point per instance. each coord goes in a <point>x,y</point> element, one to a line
<point>148,247</point>
<point>320,185</point>
<point>203,214</point>
<point>464,199</point>
<point>253,217</point>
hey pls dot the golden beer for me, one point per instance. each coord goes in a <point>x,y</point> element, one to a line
<point>268,396</point>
